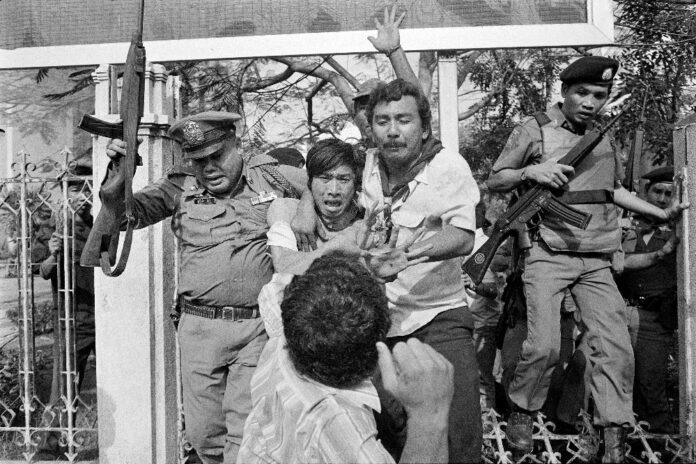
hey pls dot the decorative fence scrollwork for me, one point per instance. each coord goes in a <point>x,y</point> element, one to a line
<point>43,413</point>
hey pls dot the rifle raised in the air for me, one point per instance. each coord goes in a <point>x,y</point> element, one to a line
<point>536,200</point>
<point>101,246</point>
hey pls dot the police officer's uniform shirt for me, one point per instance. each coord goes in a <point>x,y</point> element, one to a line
<point>222,241</point>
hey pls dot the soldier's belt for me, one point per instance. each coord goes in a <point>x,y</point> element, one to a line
<point>231,313</point>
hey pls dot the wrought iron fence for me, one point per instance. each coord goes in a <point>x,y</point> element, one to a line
<point>47,411</point>
<point>580,447</point>
<point>42,407</point>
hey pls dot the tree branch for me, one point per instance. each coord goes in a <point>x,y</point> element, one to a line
<point>268,81</point>
<point>342,71</point>
<point>345,91</point>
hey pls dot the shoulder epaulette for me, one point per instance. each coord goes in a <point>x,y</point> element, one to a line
<point>179,175</point>
<point>541,118</point>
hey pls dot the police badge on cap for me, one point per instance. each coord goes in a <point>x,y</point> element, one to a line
<point>591,70</point>
<point>204,133</point>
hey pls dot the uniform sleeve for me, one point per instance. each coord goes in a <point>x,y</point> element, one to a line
<point>155,202</point>
<point>519,150</point>
<point>297,177</point>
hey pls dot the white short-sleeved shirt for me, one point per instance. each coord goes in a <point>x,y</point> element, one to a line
<point>443,192</point>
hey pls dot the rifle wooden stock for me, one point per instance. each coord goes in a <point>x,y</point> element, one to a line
<point>535,200</point>
<point>104,236</point>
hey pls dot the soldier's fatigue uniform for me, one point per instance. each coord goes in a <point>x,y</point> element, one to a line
<point>565,257</point>
<point>223,263</point>
<point>652,307</point>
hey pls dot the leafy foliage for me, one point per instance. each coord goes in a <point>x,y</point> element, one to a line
<point>659,39</point>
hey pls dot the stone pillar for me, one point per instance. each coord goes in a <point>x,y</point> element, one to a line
<point>684,138</point>
<point>136,368</point>
<point>447,99</point>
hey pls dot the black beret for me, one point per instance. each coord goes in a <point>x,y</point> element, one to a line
<point>591,70</point>
<point>661,174</point>
<point>287,156</point>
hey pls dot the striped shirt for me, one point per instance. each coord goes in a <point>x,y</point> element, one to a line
<point>297,420</point>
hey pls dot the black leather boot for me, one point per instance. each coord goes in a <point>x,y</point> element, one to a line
<point>519,434</point>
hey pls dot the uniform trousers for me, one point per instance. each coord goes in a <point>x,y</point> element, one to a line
<point>547,274</point>
<point>450,334</point>
<point>651,347</point>
<point>218,359</point>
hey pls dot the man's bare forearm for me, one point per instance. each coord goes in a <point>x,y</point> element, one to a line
<point>449,243</point>
<point>426,441</point>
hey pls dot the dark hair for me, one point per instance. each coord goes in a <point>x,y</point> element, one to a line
<point>328,154</point>
<point>395,91</point>
<point>333,315</point>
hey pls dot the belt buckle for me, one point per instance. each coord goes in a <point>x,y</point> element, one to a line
<point>225,311</point>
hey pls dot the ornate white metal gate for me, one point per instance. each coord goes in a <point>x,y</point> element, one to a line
<point>39,418</point>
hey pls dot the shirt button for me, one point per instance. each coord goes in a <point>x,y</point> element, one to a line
<point>251,181</point>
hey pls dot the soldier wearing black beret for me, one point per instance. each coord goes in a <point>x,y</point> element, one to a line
<point>649,286</point>
<point>564,257</point>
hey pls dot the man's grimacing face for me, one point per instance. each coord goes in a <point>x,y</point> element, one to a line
<point>333,191</point>
<point>398,131</point>
<point>220,172</point>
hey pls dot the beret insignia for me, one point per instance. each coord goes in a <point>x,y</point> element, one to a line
<point>607,74</point>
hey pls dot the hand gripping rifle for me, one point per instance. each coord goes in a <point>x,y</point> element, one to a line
<point>538,199</point>
<point>102,243</point>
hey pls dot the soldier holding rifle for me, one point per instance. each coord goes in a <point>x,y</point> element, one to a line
<point>218,212</point>
<point>563,256</point>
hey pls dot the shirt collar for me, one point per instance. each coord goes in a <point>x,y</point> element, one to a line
<point>559,120</point>
<point>372,166</point>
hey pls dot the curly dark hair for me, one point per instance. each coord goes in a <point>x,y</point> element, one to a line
<point>328,154</point>
<point>395,91</point>
<point>333,315</point>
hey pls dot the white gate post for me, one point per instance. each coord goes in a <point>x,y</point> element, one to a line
<point>135,340</point>
<point>448,100</point>
<point>684,138</point>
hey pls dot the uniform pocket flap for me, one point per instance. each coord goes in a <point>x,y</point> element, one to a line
<point>204,212</point>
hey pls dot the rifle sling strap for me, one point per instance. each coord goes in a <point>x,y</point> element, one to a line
<point>587,197</point>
